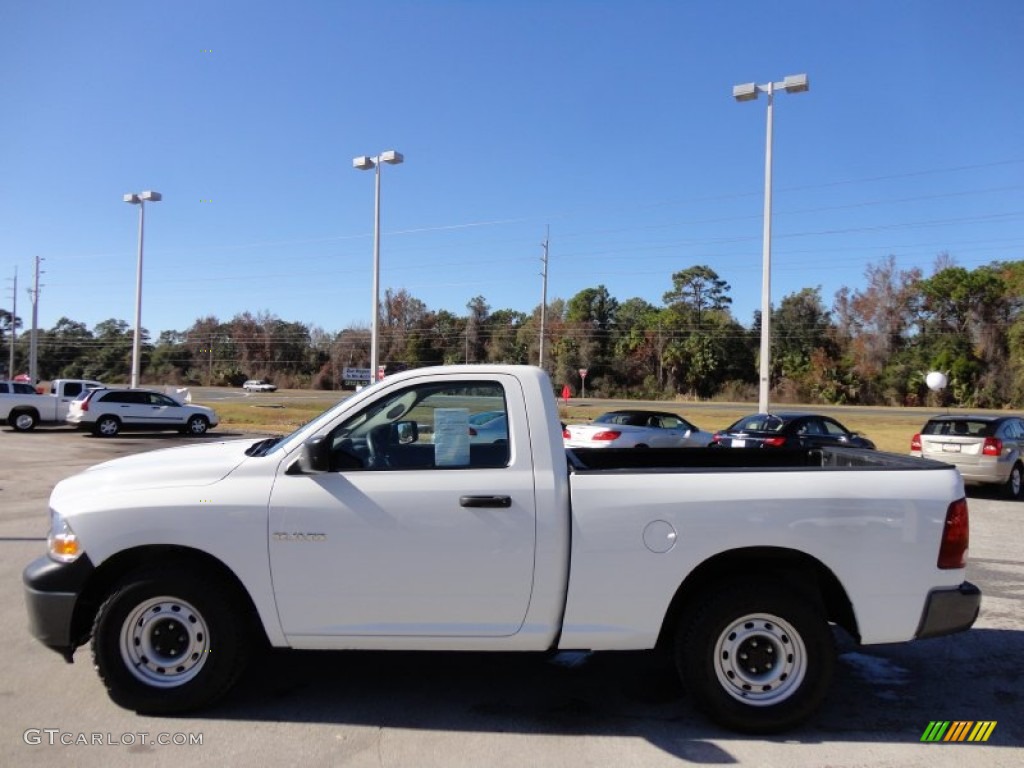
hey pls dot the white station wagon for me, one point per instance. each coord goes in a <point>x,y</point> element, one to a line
<point>108,411</point>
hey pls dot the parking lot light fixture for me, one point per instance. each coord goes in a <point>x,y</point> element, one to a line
<point>365,163</point>
<point>140,200</point>
<point>749,92</point>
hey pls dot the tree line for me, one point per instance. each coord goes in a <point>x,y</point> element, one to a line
<point>872,345</point>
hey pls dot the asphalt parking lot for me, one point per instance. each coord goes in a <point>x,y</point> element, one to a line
<point>405,709</point>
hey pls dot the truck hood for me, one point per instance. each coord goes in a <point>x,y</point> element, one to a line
<point>191,465</point>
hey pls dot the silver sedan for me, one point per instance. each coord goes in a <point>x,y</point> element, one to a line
<point>987,449</point>
<point>636,429</point>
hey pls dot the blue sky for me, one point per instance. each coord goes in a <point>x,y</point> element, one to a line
<point>612,123</point>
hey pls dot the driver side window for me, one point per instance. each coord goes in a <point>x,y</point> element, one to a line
<point>461,425</point>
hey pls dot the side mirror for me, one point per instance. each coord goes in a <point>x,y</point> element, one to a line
<point>406,432</point>
<point>315,457</point>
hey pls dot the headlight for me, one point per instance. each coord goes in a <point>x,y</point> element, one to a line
<point>62,542</point>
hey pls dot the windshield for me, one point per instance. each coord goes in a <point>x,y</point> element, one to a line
<point>618,417</point>
<point>960,428</point>
<point>759,423</point>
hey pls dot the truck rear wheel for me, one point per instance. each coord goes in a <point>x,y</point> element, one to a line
<point>756,659</point>
<point>169,642</point>
<point>23,421</point>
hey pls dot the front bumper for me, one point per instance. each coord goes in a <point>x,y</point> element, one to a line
<point>949,610</point>
<point>52,590</point>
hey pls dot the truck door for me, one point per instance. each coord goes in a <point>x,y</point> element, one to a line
<point>418,529</point>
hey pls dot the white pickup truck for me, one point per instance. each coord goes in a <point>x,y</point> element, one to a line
<point>385,524</point>
<point>24,411</point>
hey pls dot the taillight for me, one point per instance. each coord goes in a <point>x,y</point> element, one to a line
<point>608,434</point>
<point>565,433</point>
<point>775,442</point>
<point>915,443</point>
<point>85,405</point>
<point>955,535</point>
<point>716,438</point>
<point>472,432</point>
<point>993,447</point>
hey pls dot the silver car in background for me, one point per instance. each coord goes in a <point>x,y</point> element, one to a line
<point>488,427</point>
<point>107,412</point>
<point>986,449</point>
<point>636,429</point>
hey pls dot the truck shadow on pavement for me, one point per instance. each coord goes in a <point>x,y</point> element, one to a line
<point>880,694</point>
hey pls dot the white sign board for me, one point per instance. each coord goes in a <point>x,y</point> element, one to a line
<point>451,437</point>
<point>355,374</point>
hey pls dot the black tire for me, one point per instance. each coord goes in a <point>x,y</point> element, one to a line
<point>169,642</point>
<point>197,425</point>
<point>1013,488</point>
<point>756,658</point>
<point>23,421</point>
<point>107,426</point>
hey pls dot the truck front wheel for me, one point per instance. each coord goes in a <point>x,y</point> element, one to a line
<point>169,642</point>
<point>756,659</point>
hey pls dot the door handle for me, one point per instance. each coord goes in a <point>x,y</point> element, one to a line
<point>485,501</point>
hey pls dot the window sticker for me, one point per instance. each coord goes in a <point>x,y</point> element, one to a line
<point>451,437</point>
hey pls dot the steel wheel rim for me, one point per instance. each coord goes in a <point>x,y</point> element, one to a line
<point>1015,480</point>
<point>164,642</point>
<point>23,421</point>
<point>760,660</point>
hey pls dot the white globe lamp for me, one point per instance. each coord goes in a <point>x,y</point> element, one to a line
<point>936,381</point>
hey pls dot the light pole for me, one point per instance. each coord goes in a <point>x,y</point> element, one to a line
<point>140,200</point>
<point>748,92</point>
<point>365,163</point>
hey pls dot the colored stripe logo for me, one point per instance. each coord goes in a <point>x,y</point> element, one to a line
<point>958,730</point>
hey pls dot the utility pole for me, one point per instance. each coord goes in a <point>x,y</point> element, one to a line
<point>14,324</point>
<point>33,349</point>
<point>544,293</point>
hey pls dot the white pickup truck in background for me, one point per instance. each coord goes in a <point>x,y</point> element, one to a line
<point>382,525</point>
<point>23,412</point>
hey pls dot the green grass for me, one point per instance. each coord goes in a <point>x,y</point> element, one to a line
<point>889,428</point>
<point>275,418</point>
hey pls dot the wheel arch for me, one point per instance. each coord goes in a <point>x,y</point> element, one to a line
<point>802,571</point>
<point>114,569</point>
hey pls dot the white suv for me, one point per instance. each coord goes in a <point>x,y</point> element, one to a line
<point>107,411</point>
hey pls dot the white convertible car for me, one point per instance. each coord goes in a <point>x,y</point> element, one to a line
<point>259,385</point>
<point>636,429</point>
